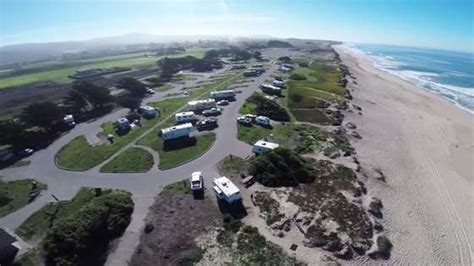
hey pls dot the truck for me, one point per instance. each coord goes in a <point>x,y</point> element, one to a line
<point>185,117</point>
<point>196,181</point>
<point>263,146</point>
<point>270,89</point>
<point>221,95</point>
<point>175,132</point>
<point>200,105</point>
<point>226,190</point>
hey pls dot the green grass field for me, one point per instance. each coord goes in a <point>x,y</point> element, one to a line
<point>61,75</point>
<point>15,194</point>
<point>279,134</point>
<point>170,158</point>
<point>132,160</point>
<point>37,224</point>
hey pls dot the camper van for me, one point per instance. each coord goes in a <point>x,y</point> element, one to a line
<point>226,190</point>
<point>263,146</point>
<point>176,131</point>
<point>185,117</point>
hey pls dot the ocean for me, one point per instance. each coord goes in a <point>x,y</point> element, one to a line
<point>449,74</point>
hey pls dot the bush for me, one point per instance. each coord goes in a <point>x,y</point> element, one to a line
<point>269,108</point>
<point>83,237</point>
<point>231,224</point>
<point>281,167</point>
<point>297,77</point>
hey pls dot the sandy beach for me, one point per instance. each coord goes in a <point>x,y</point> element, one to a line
<point>425,147</point>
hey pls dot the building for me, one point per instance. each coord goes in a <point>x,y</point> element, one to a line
<point>149,112</point>
<point>263,146</point>
<point>200,105</point>
<point>175,132</point>
<point>122,124</point>
<point>270,89</point>
<point>221,95</point>
<point>226,190</point>
<point>185,117</point>
<point>8,248</point>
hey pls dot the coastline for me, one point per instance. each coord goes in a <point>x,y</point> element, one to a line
<point>425,146</point>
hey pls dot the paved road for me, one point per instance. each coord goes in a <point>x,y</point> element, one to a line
<point>144,186</point>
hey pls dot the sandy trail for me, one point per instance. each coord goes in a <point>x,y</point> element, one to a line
<point>425,146</point>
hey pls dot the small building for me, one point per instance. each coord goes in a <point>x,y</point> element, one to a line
<point>185,117</point>
<point>69,120</point>
<point>221,95</point>
<point>149,111</point>
<point>200,105</point>
<point>270,89</point>
<point>226,190</point>
<point>263,146</point>
<point>8,248</point>
<point>175,132</point>
<point>122,124</point>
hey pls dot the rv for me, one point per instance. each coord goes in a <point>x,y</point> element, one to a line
<point>200,105</point>
<point>185,117</point>
<point>263,120</point>
<point>176,131</point>
<point>226,190</point>
<point>270,89</point>
<point>279,83</point>
<point>263,146</point>
<point>224,94</point>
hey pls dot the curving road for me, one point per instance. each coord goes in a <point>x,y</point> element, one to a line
<point>144,186</point>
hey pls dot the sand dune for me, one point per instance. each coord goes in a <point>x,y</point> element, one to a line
<point>425,146</point>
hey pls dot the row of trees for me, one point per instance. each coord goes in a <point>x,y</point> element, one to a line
<point>170,66</point>
<point>83,237</point>
<point>269,108</point>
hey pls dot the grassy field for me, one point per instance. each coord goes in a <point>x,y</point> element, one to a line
<point>37,224</point>
<point>279,133</point>
<point>15,194</point>
<point>60,75</point>
<point>132,160</point>
<point>78,155</point>
<point>179,152</point>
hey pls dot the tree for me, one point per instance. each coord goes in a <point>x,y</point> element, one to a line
<point>257,55</point>
<point>211,54</point>
<point>12,132</point>
<point>98,96</point>
<point>43,114</point>
<point>75,102</point>
<point>285,59</point>
<point>129,102</point>
<point>133,86</point>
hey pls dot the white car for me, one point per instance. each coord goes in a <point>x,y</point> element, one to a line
<point>244,120</point>
<point>196,181</point>
<point>223,102</point>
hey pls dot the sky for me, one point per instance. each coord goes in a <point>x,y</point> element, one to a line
<point>443,24</point>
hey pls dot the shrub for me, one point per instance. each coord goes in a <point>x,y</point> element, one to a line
<point>281,167</point>
<point>297,77</point>
<point>83,237</point>
<point>269,108</point>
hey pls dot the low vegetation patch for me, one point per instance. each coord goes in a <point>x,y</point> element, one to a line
<point>132,160</point>
<point>16,194</point>
<point>232,165</point>
<point>265,107</point>
<point>268,206</point>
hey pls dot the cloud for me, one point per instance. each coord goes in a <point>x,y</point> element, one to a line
<point>233,19</point>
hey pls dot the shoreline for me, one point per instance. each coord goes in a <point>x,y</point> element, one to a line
<point>424,145</point>
<point>361,53</point>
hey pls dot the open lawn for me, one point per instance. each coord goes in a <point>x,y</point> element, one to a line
<point>16,194</point>
<point>59,72</point>
<point>37,224</point>
<point>174,153</point>
<point>132,160</point>
<point>279,133</point>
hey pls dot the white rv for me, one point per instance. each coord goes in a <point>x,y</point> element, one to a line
<point>226,190</point>
<point>262,120</point>
<point>270,89</point>
<point>200,105</point>
<point>185,117</point>
<point>176,131</point>
<point>224,94</point>
<point>262,146</point>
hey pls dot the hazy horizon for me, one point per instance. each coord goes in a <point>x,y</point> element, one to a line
<point>439,24</point>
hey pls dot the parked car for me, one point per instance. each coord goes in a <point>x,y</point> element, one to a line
<point>212,112</point>
<point>263,121</point>
<point>244,120</point>
<point>150,91</point>
<point>251,117</point>
<point>196,181</point>
<point>208,123</point>
<point>26,152</point>
<point>223,102</point>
